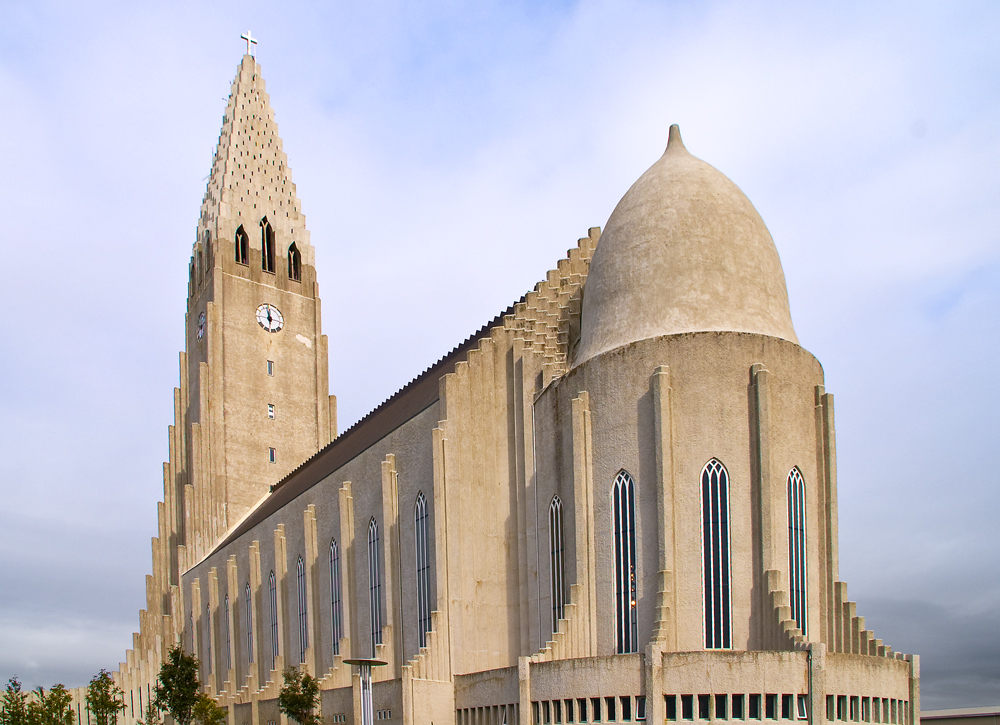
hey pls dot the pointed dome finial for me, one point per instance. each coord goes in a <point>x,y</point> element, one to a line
<point>674,142</point>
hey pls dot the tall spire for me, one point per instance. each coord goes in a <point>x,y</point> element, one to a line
<point>250,177</point>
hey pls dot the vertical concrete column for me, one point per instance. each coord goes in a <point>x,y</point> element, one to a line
<point>653,671</point>
<point>829,452</point>
<point>914,689</point>
<point>442,574</point>
<point>524,690</point>
<point>213,632</point>
<point>312,597</point>
<point>281,583</point>
<point>583,494</point>
<point>767,545</point>
<point>816,659</point>
<point>232,625</point>
<point>197,628</point>
<point>258,675</point>
<point>665,628</point>
<point>348,565</point>
<point>390,548</point>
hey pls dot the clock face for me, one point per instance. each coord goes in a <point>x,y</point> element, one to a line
<point>269,317</point>
<point>201,325</point>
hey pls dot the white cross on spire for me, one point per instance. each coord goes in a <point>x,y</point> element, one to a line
<point>250,41</point>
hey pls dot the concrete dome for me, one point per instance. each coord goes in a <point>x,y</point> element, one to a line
<point>684,251</point>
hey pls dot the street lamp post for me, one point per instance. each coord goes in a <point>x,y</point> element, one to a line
<point>365,670</point>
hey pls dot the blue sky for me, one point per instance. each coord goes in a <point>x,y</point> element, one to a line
<point>447,154</point>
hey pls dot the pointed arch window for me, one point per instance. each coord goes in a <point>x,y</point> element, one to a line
<point>242,246</point>
<point>272,595</point>
<point>225,623</point>
<point>300,577</point>
<point>294,263</point>
<point>248,602</point>
<point>422,548</point>
<point>797,547</point>
<point>374,584</point>
<point>266,246</point>
<point>625,572</point>
<point>557,585</point>
<point>715,554</point>
<point>336,597</point>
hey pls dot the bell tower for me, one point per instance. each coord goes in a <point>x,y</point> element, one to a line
<point>257,401</point>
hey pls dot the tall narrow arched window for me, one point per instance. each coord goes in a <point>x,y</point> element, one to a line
<point>242,246</point>
<point>423,554</point>
<point>715,554</point>
<point>294,263</point>
<point>625,574</point>
<point>797,547</point>
<point>248,601</point>
<point>557,585</point>
<point>201,266</point>
<point>336,597</point>
<point>208,637</point>
<point>272,595</point>
<point>300,578</point>
<point>225,623</point>
<point>374,584</point>
<point>266,246</point>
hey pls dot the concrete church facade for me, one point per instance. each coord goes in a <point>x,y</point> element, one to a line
<point>617,501</point>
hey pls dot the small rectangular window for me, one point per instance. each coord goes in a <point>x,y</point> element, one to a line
<point>866,709</point>
<point>609,705</point>
<point>754,707</point>
<point>640,707</point>
<point>270,367</point>
<point>626,703</point>
<point>703,707</point>
<point>670,707</point>
<point>720,707</point>
<point>855,707</point>
<point>595,705</point>
<point>546,712</point>
<point>534,713</point>
<point>771,707</point>
<point>687,707</point>
<point>831,712</point>
<point>270,411</point>
<point>270,454</point>
<point>569,711</point>
<point>786,707</point>
<point>557,709</point>
<point>737,707</point>
<point>802,712</point>
<point>842,707</point>
<point>582,703</point>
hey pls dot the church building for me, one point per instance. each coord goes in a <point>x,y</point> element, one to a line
<point>615,502</point>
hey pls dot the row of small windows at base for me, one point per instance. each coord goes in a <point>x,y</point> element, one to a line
<point>756,706</point>
<point>853,708</point>
<point>623,708</point>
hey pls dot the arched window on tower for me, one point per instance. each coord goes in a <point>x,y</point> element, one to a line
<point>225,623</point>
<point>294,263</point>
<point>423,554</point>
<point>266,246</point>
<point>557,587</point>
<point>625,572</point>
<point>242,246</point>
<point>300,577</point>
<point>201,266</point>
<point>797,547</point>
<point>248,602</point>
<point>336,597</point>
<point>374,584</point>
<point>208,251</point>
<point>272,595</point>
<point>715,554</point>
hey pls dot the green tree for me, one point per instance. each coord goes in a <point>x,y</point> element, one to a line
<point>54,707</point>
<point>177,687</point>
<point>104,699</point>
<point>14,705</point>
<point>299,696</point>
<point>208,712</point>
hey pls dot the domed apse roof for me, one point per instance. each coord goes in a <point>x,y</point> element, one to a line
<point>684,251</point>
